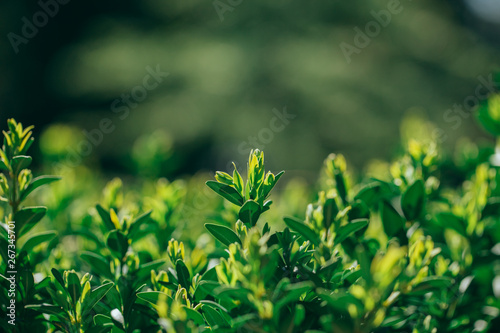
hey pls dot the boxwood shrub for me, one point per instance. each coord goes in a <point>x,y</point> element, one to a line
<point>409,246</point>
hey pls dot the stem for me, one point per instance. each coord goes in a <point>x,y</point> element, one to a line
<point>14,203</point>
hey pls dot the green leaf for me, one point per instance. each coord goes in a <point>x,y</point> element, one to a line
<point>38,239</point>
<point>226,191</point>
<point>236,293</point>
<point>74,287</point>
<point>302,229</point>
<point>19,163</point>
<point>36,183</point>
<point>412,201</point>
<point>266,206</point>
<point>372,193</point>
<point>359,210</point>
<point>211,276</point>
<point>340,301</point>
<point>105,217</point>
<point>48,309</point>
<point>114,298</point>
<point>394,320</point>
<point>293,293</point>
<point>266,229</point>
<point>99,264</point>
<point>267,188</point>
<point>329,267</point>
<point>136,225</point>
<point>170,285</point>
<point>431,283</point>
<point>207,287</point>
<point>28,217</point>
<point>393,222</point>
<point>349,229</point>
<point>88,235</point>
<point>278,176</point>
<point>224,178</point>
<point>250,212</point>
<point>330,211</point>
<point>238,181</point>
<point>94,297</point>
<point>152,296</point>
<point>26,144</point>
<point>145,269</point>
<point>213,317</point>
<point>58,277</point>
<point>183,274</point>
<point>3,165</point>
<point>240,321</point>
<point>352,275</point>
<point>194,316</point>
<point>341,187</point>
<point>369,194</point>
<point>43,284</point>
<point>450,220</point>
<point>223,234</point>
<point>101,319</point>
<point>364,258</point>
<point>299,315</point>
<point>117,243</point>
<point>27,280</point>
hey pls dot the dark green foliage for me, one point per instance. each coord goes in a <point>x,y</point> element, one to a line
<point>397,253</point>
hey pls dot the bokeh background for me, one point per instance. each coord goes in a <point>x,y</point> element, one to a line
<point>230,64</point>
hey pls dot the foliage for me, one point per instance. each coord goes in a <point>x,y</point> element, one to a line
<point>413,247</point>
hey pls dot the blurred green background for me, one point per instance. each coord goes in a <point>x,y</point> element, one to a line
<point>230,64</point>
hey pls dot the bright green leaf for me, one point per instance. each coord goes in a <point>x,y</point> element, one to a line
<point>38,239</point>
<point>226,191</point>
<point>223,234</point>
<point>28,217</point>
<point>302,229</point>
<point>349,229</point>
<point>36,183</point>
<point>250,212</point>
